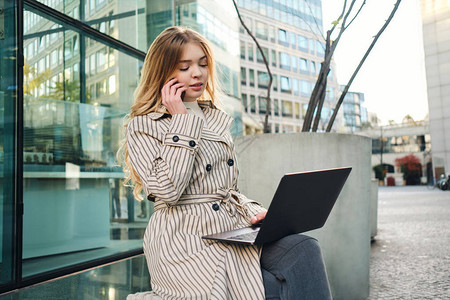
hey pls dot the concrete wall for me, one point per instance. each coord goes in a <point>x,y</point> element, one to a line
<point>345,238</point>
<point>373,208</point>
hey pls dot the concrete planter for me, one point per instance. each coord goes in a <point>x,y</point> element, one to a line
<point>345,238</point>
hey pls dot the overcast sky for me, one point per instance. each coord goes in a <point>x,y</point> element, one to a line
<point>393,76</point>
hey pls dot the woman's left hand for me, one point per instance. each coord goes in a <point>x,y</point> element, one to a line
<point>258,217</point>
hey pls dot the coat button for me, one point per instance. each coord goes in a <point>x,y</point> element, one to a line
<point>215,206</point>
<point>230,162</point>
<point>175,138</point>
<point>192,143</point>
<point>208,167</point>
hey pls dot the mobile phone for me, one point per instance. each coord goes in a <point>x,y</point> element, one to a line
<point>182,95</point>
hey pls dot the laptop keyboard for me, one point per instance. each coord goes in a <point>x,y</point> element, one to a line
<point>245,236</point>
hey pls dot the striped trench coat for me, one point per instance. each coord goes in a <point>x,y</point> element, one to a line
<point>190,171</point>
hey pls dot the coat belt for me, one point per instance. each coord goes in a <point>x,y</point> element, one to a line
<point>228,197</point>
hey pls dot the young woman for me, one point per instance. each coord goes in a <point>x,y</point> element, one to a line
<point>179,153</point>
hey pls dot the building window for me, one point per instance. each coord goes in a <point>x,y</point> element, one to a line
<point>295,86</point>
<point>263,79</point>
<point>305,88</point>
<point>274,58</point>
<point>244,101</point>
<point>243,76</point>
<point>261,30</point>
<point>275,82</point>
<point>275,108</point>
<point>283,38</point>
<point>271,32</point>
<point>259,57</point>
<point>313,68</point>
<point>251,77</point>
<point>293,40</point>
<point>112,84</point>
<point>252,103</point>
<point>250,52</point>
<point>285,84</point>
<point>294,63</point>
<point>242,43</point>
<point>297,110</point>
<point>303,66</point>
<point>262,104</point>
<point>311,46</point>
<point>286,108</point>
<point>302,43</point>
<point>320,48</point>
<point>285,61</point>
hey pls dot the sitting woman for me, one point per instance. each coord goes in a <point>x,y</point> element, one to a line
<point>179,153</point>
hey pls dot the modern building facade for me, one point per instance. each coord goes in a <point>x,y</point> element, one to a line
<point>436,39</point>
<point>355,114</point>
<point>68,72</point>
<point>290,34</point>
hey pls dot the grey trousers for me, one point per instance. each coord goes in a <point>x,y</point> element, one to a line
<point>293,268</point>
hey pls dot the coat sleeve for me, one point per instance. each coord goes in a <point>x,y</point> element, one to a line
<point>164,160</point>
<point>251,207</point>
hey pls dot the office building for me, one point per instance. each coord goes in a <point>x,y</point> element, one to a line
<point>291,36</point>
<point>436,39</point>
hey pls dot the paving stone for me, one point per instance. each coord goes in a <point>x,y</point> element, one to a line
<point>410,258</point>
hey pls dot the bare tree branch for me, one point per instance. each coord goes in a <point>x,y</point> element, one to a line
<point>266,118</point>
<point>357,13</point>
<point>344,92</point>
<point>318,93</point>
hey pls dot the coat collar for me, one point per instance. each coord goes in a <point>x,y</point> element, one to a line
<point>162,110</point>
<point>217,120</point>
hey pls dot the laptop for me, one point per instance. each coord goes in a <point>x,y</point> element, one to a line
<point>302,202</point>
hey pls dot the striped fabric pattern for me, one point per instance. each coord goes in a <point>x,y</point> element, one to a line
<point>186,169</point>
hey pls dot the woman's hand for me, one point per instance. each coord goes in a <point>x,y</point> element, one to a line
<point>258,218</point>
<point>171,97</point>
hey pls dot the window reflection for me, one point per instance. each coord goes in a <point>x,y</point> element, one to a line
<point>75,98</point>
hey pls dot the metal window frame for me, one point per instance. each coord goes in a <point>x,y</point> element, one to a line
<point>85,31</point>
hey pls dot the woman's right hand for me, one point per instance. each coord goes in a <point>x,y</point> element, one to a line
<point>171,97</point>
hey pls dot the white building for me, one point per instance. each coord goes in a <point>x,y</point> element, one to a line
<point>436,38</point>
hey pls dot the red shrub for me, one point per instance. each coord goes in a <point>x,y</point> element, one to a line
<point>390,181</point>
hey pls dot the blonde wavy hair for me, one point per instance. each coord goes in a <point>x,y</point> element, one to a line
<point>161,62</point>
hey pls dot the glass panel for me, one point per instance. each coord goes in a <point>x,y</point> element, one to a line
<point>261,30</point>
<point>250,52</point>
<point>285,61</point>
<point>252,103</point>
<point>286,108</point>
<point>275,108</point>
<point>251,77</point>
<point>259,56</point>
<point>263,79</point>
<point>262,104</point>
<point>8,96</point>
<point>283,38</point>
<point>115,18</point>
<point>75,98</point>
<point>243,76</point>
<point>285,83</point>
<point>305,88</point>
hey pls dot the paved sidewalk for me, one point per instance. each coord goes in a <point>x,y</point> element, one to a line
<point>410,258</point>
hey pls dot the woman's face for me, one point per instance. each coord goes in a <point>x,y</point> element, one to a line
<point>193,71</point>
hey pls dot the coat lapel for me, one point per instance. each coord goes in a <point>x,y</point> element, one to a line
<point>218,122</point>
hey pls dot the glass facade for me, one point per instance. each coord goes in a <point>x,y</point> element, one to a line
<point>62,124</point>
<point>10,206</point>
